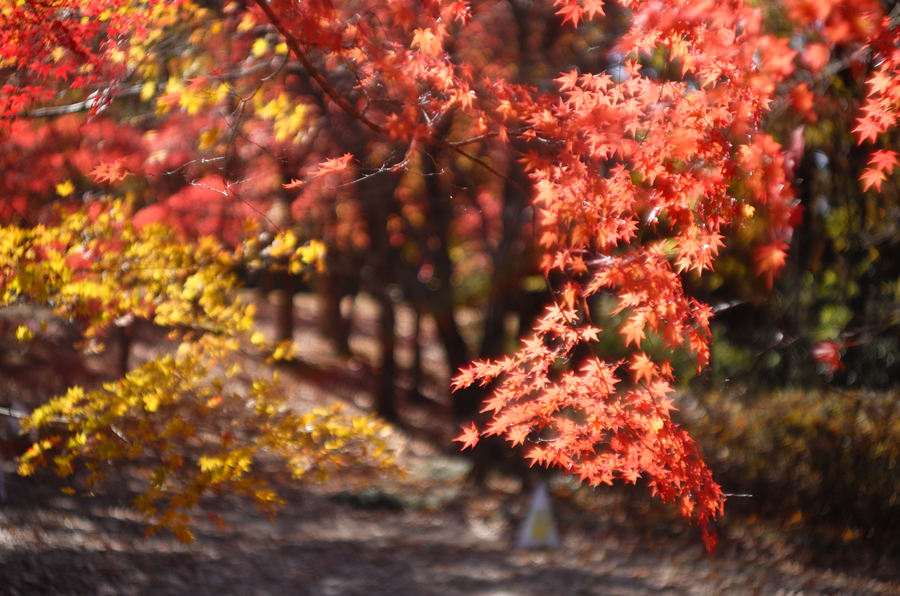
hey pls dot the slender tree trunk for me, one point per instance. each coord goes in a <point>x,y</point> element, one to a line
<point>377,199</point>
<point>332,286</point>
<point>417,351</point>
<point>385,401</point>
<point>125,341</point>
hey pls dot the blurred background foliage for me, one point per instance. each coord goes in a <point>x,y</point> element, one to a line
<point>800,406</point>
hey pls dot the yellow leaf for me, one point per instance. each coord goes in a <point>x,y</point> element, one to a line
<point>247,22</point>
<point>148,90</point>
<point>65,189</point>
<point>151,403</point>
<point>208,138</point>
<point>281,49</point>
<point>427,41</point>
<point>260,47</point>
<point>23,333</point>
<point>209,464</point>
<point>283,351</point>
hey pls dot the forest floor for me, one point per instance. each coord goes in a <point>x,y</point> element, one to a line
<point>424,533</point>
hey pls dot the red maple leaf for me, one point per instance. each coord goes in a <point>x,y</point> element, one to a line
<point>711,541</point>
<point>816,56</point>
<point>112,172</point>
<point>884,160</point>
<point>867,128</point>
<point>469,437</point>
<point>643,367</point>
<point>872,177</point>
<point>570,12</point>
<point>336,164</point>
<point>566,81</point>
<point>769,260</point>
<point>828,353</point>
<point>881,164</point>
<point>465,378</point>
<point>593,7</point>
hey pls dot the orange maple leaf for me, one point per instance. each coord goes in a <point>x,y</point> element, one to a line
<point>828,353</point>
<point>517,434</point>
<point>881,164</point>
<point>465,378</point>
<point>777,57</point>
<point>872,177</point>
<point>633,330</point>
<point>884,160</point>
<point>566,81</point>
<point>816,56</point>
<point>336,164</point>
<point>643,367</point>
<point>868,128</point>
<point>710,540</point>
<point>469,437</point>
<point>770,259</point>
<point>427,41</point>
<point>113,172</point>
<point>593,7</point>
<point>571,12</point>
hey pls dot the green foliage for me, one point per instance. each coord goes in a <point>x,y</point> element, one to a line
<point>191,422</point>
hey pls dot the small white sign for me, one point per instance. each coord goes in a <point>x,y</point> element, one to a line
<point>539,529</point>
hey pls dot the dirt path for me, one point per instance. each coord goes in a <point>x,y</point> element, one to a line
<point>327,543</point>
<point>423,535</point>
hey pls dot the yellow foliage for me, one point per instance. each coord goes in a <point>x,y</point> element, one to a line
<point>192,426</point>
<point>208,138</point>
<point>260,47</point>
<point>148,90</point>
<point>287,118</point>
<point>66,188</point>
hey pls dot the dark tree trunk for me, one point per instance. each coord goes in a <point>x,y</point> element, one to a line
<point>125,341</point>
<point>333,285</point>
<point>385,401</point>
<point>377,199</point>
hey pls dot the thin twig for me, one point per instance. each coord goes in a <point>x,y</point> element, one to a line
<point>294,45</point>
<point>11,413</point>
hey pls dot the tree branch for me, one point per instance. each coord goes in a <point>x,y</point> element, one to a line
<point>93,100</point>
<point>294,45</point>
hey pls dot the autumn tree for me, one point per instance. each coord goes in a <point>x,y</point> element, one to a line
<point>391,119</point>
<point>195,420</point>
